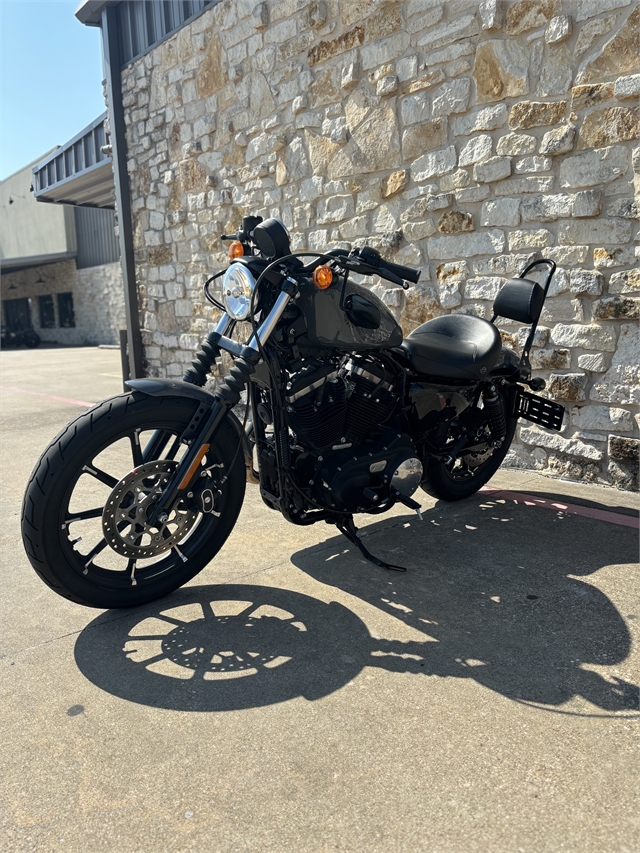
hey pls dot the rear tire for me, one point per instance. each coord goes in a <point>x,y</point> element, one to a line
<point>110,432</point>
<point>440,480</point>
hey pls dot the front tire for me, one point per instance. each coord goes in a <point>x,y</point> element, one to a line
<point>62,512</point>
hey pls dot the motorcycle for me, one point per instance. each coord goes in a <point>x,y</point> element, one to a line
<point>19,337</point>
<point>343,416</point>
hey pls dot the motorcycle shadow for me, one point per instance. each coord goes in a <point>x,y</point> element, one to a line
<point>491,585</point>
<point>224,648</point>
<point>497,586</point>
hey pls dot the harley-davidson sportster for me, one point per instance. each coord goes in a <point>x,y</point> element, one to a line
<point>343,416</point>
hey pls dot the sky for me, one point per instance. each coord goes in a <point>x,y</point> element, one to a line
<point>50,78</point>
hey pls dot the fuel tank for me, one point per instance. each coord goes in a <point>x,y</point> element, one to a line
<point>329,326</point>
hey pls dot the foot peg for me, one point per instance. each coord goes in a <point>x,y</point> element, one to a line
<point>403,499</point>
<point>348,529</point>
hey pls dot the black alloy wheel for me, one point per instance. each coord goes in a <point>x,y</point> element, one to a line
<point>86,519</point>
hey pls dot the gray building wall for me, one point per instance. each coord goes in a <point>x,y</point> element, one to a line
<point>97,242</point>
<point>461,138</point>
<point>29,228</point>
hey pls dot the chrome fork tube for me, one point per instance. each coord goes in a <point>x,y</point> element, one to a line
<point>223,324</point>
<point>270,322</point>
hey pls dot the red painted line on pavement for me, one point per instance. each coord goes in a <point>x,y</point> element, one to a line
<point>68,400</point>
<point>572,509</point>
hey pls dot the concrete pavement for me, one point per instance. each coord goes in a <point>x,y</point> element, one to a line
<point>294,698</point>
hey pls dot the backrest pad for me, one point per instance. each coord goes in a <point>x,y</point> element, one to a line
<point>520,299</point>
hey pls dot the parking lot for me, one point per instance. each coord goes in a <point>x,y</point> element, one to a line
<point>293,697</point>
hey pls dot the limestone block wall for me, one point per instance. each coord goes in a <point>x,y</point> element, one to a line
<point>463,138</point>
<point>98,300</point>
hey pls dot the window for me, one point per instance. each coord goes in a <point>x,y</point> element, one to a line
<point>47,312</point>
<point>65,311</point>
<point>17,315</point>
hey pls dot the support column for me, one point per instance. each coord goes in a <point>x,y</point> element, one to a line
<point>111,58</point>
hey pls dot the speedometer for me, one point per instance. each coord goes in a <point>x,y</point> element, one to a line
<point>237,287</point>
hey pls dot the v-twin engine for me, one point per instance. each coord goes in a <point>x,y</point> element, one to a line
<point>337,412</point>
<point>329,404</point>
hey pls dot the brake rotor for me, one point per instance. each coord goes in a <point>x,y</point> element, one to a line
<point>125,520</point>
<point>473,460</point>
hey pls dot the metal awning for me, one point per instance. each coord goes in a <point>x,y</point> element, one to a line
<point>79,172</point>
<point>14,264</point>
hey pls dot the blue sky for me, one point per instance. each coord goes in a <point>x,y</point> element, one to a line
<point>50,78</point>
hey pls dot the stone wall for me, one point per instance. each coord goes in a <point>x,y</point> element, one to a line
<point>463,138</point>
<point>98,300</point>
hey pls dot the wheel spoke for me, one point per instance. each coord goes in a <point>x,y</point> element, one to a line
<point>102,544</point>
<point>136,450</point>
<point>105,478</point>
<point>84,515</point>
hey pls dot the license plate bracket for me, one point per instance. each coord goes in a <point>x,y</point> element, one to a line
<point>539,410</point>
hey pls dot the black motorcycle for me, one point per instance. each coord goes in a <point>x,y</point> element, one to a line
<point>19,337</point>
<point>342,416</point>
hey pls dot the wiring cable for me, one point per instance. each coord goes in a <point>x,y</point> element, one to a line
<point>208,296</point>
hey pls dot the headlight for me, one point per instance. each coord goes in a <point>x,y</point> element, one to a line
<point>237,287</point>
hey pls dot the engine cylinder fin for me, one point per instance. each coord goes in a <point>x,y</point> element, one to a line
<point>369,406</point>
<point>320,426</point>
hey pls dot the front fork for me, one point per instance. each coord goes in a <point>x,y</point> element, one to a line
<point>227,396</point>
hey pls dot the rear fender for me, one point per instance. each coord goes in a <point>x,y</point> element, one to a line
<point>178,388</point>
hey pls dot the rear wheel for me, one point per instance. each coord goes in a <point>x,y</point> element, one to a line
<point>84,519</point>
<point>462,477</point>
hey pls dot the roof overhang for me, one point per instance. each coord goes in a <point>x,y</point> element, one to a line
<point>92,187</point>
<point>14,264</point>
<point>89,12</point>
<point>79,172</point>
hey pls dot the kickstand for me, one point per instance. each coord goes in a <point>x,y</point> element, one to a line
<point>348,529</point>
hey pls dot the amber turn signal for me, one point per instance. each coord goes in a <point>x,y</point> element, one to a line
<point>322,277</point>
<point>236,250</point>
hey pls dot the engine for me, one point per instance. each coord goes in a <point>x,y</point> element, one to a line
<point>344,451</point>
<point>329,404</point>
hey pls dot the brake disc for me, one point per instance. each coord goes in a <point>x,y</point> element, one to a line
<point>472,460</point>
<point>125,519</point>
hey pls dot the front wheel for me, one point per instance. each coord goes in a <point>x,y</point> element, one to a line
<point>84,514</point>
<point>462,477</point>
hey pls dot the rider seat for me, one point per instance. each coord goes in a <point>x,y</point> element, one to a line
<point>455,346</point>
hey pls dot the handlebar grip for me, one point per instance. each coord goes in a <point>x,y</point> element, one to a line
<point>405,273</point>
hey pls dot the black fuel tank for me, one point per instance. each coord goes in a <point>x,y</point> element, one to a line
<point>328,325</point>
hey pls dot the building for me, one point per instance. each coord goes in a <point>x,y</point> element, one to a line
<point>463,138</point>
<point>60,263</point>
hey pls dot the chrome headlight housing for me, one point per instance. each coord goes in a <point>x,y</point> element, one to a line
<point>237,287</point>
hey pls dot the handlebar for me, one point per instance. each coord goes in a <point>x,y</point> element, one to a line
<point>405,273</point>
<point>368,261</point>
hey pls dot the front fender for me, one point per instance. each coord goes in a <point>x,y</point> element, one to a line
<point>178,388</point>
<point>171,388</point>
